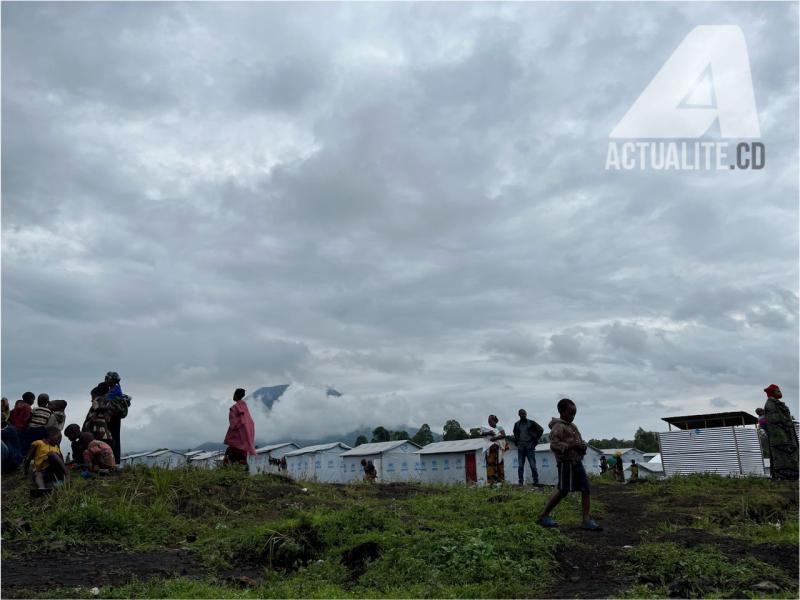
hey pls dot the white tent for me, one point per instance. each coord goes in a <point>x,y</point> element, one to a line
<point>647,470</point>
<point>165,459</point>
<point>321,463</point>
<point>260,463</point>
<point>210,459</point>
<point>628,454</point>
<point>394,461</point>
<point>456,461</point>
<point>546,464</point>
<point>130,459</point>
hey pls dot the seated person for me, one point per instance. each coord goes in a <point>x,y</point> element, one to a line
<point>12,449</point>
<point>73,433</point>
<point>98,456</point>
<point>48,464</point>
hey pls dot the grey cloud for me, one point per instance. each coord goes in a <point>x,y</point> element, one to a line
<point>406,201</point>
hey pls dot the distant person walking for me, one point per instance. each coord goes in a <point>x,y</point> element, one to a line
<point>619,468</point>
<point>241,435</point>
<point>781,435</point>
<point>569,448</point>
<point>527,434</point>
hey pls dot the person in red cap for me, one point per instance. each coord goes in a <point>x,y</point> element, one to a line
<point>782,436</point>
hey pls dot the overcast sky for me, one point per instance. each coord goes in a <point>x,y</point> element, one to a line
<point>407,202</point>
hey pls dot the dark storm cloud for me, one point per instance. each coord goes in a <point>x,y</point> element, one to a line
<point>404,201</point>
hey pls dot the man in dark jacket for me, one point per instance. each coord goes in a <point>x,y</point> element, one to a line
<point>526,435</point>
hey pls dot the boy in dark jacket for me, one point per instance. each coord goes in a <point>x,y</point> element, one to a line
<point>568,446</point>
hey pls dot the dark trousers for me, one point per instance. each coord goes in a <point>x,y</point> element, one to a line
<point>114,425</point>
<point>528,452</point>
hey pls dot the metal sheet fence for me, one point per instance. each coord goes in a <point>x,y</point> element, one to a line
<point>721,450</point>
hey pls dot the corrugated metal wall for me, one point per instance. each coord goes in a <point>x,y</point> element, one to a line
<point>722,450</point>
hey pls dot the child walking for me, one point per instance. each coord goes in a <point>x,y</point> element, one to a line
<point>568,446</point>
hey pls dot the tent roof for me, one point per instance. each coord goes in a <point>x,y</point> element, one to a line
<point>613,451</point>
<point>454,446</point>
<point>709,420</point>
<point>377,448</point>
<point>318,448</point>
<point>272,447</point>
<point>207,454</point>
<point>163,451</point>
<point>137,455</point>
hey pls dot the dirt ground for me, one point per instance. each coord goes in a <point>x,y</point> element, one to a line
<point>586,570</point>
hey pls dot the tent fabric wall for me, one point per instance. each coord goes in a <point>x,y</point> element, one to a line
<point>446,462</point>
<point>321,463</point>
<point>721,450</point>
<point>393,461</point>
<point>259,464</point>
<point>164,459</point>
<point>207,460</point>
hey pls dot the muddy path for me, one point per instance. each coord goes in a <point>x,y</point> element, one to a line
<point>587,569</point>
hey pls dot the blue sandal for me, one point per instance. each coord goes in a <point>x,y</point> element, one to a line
<point>548,522</point>
<point>590,525</point>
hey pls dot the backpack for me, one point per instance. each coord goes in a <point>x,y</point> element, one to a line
<point>119,405</point>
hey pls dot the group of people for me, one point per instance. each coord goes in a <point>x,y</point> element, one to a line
<point>616,468</point>
<point>32,435</point>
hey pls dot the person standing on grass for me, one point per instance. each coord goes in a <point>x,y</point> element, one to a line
<point>495,467</point>
<point>603,465</point>
<point>241,435</point>
<point>97,418</point>
<point>781,435</point>
<point>634,471</point>
<point>568,446</point>
<point>118,404</point>
<point>527,434</point>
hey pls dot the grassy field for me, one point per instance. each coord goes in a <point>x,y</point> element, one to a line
<point>223,534</point>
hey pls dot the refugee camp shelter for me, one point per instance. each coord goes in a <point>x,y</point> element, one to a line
<point>130,459</point>
<point>628,454</point>
<point>209,459</point>
<point>260,463</point>
<point>546,464</point>
<point>321,463</point>
<point>647,470</point>
<point>164,458</point>
<point>394,461</point>
<point>191,453</point>
<point>456,461</point>
<point>719,443</point>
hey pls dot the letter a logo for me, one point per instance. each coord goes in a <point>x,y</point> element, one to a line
<point>706,78</point>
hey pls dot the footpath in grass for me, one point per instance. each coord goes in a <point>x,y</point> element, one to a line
<point>222,534</point>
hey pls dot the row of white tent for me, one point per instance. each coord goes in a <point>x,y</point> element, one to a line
<point>459,461</point>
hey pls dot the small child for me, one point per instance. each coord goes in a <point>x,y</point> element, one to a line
<point>73,433</point>
<point>634,472</point>
<point>568,446</point>
<point>370,473</point>
<point>98,456</point>
<point>762,418</point>
<point>58,417</point>
<point>48,464</point>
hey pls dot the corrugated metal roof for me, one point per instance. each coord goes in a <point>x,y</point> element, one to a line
<point>318,448</point>
<point>455,446</point>
<point>709,420</point>
<point>272,447</point>
<point>191,453</point>
<point>722,450</point>
<point>377,448</point>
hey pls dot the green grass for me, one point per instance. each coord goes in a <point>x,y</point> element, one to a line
<point>434,541</point>
<point>694,573</point>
